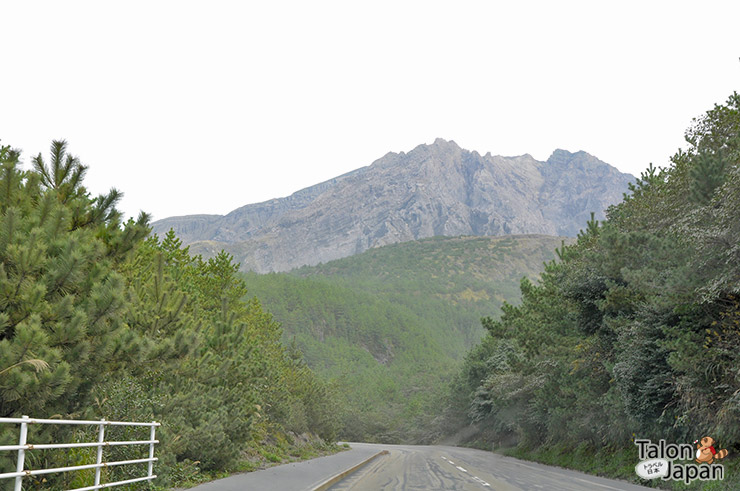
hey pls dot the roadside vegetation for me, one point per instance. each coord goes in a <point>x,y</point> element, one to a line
<point>99,320</point>
<point>633,332</point>
<point>389,327</point>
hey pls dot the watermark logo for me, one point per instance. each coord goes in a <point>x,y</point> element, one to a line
<point>705,451</point>
<point>658,460</point>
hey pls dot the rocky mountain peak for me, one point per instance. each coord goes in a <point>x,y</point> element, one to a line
<point>565,158</point>
<point>435,189</point>
<point>444,144</point>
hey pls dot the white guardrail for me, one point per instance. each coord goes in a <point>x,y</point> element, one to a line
<point>24,446</point>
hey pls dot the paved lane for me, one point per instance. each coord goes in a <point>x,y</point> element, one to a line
<point>424,468</point>
<point>297,476</point>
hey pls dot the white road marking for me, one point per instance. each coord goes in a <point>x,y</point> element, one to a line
<point>481,481</point>
<point>475,478</point>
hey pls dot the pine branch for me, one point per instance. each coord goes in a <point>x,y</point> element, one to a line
<point>40,167</point>
<point>37,364</point>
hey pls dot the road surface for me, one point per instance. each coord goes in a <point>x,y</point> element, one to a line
<point>296,476</point>
<point>412,468</point>
<point>417,468</point>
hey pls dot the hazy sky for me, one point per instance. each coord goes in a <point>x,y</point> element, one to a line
<point>201,107</point>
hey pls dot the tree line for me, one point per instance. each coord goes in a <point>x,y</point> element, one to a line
<point>389,327</point>
<point>100,319</point>
<point>634,331</point>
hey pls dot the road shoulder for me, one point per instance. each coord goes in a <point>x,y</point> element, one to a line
<point>306,475</point>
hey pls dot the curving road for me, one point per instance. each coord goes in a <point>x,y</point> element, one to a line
<point>423,468</point>
<point>415,468</point>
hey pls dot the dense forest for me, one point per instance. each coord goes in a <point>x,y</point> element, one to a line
<point>99,319</point>
<point>633,332</point>
<point>389,327</point>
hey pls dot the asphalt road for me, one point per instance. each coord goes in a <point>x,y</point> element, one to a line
<point>297,476</point>
<point>417,468</point>
<point>424,468</point>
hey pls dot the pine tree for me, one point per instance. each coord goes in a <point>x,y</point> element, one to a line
<point>62,300</point>
<point>707,173</point>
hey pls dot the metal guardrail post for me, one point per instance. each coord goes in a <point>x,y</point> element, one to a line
<point>151,448</point>
<point>21,455</point>
<point>100,444</point>
<point>101,439</point>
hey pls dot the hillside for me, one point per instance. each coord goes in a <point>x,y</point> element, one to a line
<point>389,326</point>
<point>634,333</point>
<point>433,190</point>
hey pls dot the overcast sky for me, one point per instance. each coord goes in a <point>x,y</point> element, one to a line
<point>202,107</point>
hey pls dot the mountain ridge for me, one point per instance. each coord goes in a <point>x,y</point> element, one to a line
<point>434,189</point>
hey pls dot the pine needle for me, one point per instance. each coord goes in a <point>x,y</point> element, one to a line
<point>38,365</point>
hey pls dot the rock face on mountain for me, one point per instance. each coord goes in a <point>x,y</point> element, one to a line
<point>437,189</point>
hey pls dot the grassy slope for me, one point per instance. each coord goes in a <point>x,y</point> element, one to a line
<point>390,325</point>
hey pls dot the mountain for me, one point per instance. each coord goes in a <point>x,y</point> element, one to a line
<point>388,327</point>
<point>433,190</point>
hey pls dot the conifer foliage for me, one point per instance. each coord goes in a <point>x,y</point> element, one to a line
<point>99,320</point>
<point>635,330</point>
